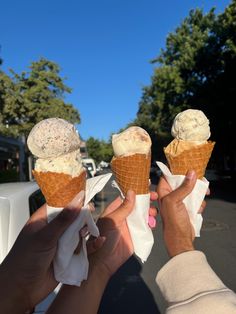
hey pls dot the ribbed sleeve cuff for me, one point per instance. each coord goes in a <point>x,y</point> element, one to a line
<point>186,275</point>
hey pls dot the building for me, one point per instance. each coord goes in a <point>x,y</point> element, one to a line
<point>83,149</point>
<point>12,160</point>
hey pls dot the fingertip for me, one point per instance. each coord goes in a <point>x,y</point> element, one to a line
<point>130,195</point>
<point>152,222</point>
<point>190,175</point>
<point>100,241</point>
<point>153,211</point>
<point>153,196</point>
<point>77,201</point>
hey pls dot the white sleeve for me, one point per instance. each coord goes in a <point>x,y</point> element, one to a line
<point>189,285</point>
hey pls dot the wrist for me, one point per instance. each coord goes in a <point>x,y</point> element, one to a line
<point>99,269</point>
<point>178,247</point>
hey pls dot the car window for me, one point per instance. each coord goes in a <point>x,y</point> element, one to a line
<point>89,166</point>
<point>36,200</point>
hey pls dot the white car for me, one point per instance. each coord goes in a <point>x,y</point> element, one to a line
<point>89,163</point>
<point>18,201</point>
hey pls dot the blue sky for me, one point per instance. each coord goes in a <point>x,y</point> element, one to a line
<point>103,47</point>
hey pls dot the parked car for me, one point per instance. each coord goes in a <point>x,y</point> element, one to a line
<point>18,201</point>
<point>89,163</point>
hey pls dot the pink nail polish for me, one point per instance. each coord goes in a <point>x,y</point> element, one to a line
<point>152,221</point>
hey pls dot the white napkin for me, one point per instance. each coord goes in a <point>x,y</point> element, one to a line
<point>70,268</point>
<point>137,221</point>
<point>140,232</point>
<point>193,201</point>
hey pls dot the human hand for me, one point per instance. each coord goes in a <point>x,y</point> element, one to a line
<point>177,228</point>
<point>27,270</point>
<point>117,245</point>
<point>106,254</point>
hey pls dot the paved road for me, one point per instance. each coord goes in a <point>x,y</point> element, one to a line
<point>133,290</point>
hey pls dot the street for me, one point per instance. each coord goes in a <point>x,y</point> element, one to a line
<point>133,288</point>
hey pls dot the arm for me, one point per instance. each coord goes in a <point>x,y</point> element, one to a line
<point>187,281</point>
<point>11,298</point>
<point>115,250</point>
<point>84,299</point>
<point>189,285</point>
<point>26,274</point>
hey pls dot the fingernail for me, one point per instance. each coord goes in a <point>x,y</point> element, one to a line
<point>77,201</point>
<point>129,195</point>
<point>190,174</point>
<point>152,221</point>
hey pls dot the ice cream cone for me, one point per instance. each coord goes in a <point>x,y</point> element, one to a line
<point>59,188</point>
<point>183,156</point>
<point>132,172</point>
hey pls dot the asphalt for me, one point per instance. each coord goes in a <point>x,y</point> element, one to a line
<point>133,290</point>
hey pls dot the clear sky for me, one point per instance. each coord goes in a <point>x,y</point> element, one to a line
<point>103,47</point>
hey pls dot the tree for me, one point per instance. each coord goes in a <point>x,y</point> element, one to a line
<point>195,70</point>
<point>29,97</point>
<point>99,150</point>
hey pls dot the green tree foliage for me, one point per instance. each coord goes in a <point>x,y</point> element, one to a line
<point>29,97</point>
<point>195,70</point>
<point>99,150</point>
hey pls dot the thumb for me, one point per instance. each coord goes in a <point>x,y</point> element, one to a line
<point>186,187</point>
<point>64,219</point>
<point>121,213</point>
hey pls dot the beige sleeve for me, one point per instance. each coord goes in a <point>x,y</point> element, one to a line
<point>189,285</point>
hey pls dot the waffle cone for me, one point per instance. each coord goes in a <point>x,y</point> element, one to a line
<point>183,156</point>
<point>132,172</point>
<point>59,188</point>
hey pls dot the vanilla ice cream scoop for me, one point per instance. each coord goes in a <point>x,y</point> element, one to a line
<point>52,138</point>
<point>68,163</point>
<point>191,125</point>
<point>133,140</point>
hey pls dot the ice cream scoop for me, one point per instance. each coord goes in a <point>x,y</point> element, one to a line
<point>68,163</point>
<point>53,137</point>
<point>131,161</point>
<point>56,145</point>
<point>191,125</point>
<point>133,140</point>
<point>190,150</point>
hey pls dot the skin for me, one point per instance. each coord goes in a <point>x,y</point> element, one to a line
<point>26,273</point>
<point>117,245</point>
<point>177,229</point>
<point>116,249</point>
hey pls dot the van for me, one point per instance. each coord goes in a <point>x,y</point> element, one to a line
<point>89,163</point>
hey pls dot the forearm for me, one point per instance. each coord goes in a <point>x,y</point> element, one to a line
<point>11,299</point>
<point>84,299</point>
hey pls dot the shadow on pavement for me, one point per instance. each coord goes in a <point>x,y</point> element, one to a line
<point>127,293</point>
